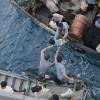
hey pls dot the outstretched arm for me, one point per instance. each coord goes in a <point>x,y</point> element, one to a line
<point>43,50</point>
<point>67,77</point>
<point>47,48</point>
<point>57,52</point>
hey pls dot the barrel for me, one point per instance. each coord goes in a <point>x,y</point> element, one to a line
<point>78,27</point>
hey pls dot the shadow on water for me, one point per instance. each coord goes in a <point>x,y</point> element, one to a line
<point>21,41</point>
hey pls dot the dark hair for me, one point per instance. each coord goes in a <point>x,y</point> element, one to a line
<point>46,57</point>
<point>59,58</point>
<point>51,41</point>
<point>36,89</point>
<point>3,84</point>
<point>54,97</point>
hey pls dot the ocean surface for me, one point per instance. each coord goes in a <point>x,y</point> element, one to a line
<point>21,41</point>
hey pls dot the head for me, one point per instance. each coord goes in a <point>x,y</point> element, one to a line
<point>59,58</point>
<point>52,41</point>
<point>3,84</point>
<point>54,97</point>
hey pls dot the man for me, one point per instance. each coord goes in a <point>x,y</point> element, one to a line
<point>62,29</point>
<point>5,88</point>
<point>44,61</point>
<point>60,69</point>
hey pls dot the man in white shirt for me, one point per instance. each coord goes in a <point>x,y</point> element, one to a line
<point>5,88</point>
<point>44,61</point>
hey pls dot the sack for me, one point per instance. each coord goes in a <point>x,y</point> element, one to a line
<point>84,5</point>
<point>69,93</point>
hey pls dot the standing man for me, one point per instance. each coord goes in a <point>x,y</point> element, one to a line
<point>60,69</point>
<point>44,61</point>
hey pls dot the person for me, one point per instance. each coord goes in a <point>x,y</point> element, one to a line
<point>5,88</point>
<point>62,29</point>
<point>44,61</point>
<point>60,69</point>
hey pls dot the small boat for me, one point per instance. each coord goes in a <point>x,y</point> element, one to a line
<point>20,82</point>
<point>40,16</point>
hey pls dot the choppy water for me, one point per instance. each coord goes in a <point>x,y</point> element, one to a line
<point>21,41</point>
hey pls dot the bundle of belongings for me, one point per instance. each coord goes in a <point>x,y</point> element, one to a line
<point>40,91</point>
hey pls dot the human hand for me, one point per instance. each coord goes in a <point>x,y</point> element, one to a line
<point>72,79</point>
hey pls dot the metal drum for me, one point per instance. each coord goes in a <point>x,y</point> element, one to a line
<point>78,27</point>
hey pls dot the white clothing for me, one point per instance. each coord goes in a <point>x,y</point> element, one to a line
<point>60,70</point>
<point>59,42</point>
<point>65,28</point>
<point>53,25</point>
<point>44,65</point>
<point>7,89</point>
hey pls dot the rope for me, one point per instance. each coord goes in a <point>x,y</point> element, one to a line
<point>74,91</point>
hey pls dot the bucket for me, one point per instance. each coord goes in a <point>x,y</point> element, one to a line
<point>78,27</point>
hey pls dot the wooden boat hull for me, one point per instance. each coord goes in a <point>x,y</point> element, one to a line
<point>34,19</point>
